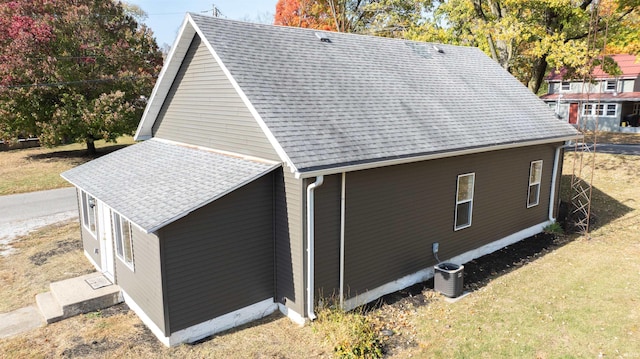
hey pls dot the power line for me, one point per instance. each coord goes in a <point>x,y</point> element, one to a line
<point>62,83</point>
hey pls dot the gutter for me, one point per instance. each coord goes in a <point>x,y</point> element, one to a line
<point>396,161</point>
<point>310,244</point>
<point>342,226</point>
<point>554,175</point>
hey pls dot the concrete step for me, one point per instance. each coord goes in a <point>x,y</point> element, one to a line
<point>79,295</point>
<point>49,307</point>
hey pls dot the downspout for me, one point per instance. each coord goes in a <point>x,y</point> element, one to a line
<point>554,175</point>
<point>342,216</point>
<point>310,244</point>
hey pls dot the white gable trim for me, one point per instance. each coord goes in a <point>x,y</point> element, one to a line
<point>168,74</point>
<point>267,132</point>
<point>165,80</point>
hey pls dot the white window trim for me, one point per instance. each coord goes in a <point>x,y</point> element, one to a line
<point>88,201</point>
<point>459,202</point>
<point>593,109</point>
<point>532,184</point>
<point>606,85</point>
<point>562,86</point>
<point>118,221</point>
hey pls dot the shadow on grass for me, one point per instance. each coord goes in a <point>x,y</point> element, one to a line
<point>78,154</point>
<point>481,271</point>
<point>604,208</point>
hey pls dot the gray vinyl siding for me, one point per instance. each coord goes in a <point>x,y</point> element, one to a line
<point>289,241</point>
<point>144,283</point>
<point>202,108</point>
<point>327,238</point>
<point>220,258</point>
<point>394,214</point>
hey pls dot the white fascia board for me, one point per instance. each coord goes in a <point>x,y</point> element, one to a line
<point>404,160</point>
<point>265,129</point>
<point>165,80</point>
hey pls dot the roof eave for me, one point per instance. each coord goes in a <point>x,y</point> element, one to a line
<point>432,156</point>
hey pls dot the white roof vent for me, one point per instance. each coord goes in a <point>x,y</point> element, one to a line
<point>438,49</point>
<point>323,37</point>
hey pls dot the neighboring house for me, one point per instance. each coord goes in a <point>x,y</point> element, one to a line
<point>614,101</point>
<point>283,166</point>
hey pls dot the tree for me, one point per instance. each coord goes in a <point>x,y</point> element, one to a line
<point>378,17</point>
<point>304,13</point>
<point>73,70</point>
<point>528,37</point>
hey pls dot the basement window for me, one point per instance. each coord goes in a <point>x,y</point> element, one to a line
<point>464,200</point>
<point>89,213</point>
<point>535,177</point>
<point>123,238</point>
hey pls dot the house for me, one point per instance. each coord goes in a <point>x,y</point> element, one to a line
<point>614,101</point>
<point>280,167</point>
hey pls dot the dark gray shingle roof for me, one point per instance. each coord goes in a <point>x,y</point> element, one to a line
<point>360,99</point>
<point>154,183</point>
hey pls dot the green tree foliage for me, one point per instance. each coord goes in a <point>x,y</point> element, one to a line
<point>528,37</point>
<point>73,70</point>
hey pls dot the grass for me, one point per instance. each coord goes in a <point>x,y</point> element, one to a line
<point>49,254</point>
<point>579,299</point>
<point>39,168</point>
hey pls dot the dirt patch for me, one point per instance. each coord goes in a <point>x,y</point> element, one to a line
<point>62,247</point>
<point>89,350</point>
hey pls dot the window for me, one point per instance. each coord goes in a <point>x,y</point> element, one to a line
<point>636,109</point>
<point>535,176</point>
<point>89,213</point>
<point>464,200</point>
<point>610,85</point>
<point>590,109</point>
<point>122,235</point>
<point>565,86</point>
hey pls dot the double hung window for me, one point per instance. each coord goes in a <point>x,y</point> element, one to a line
<point>89,213</point>
<point>535,177</point>
<point>464,200</point>
<point>123,239</point>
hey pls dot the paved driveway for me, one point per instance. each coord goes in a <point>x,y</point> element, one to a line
<point>23,213</point>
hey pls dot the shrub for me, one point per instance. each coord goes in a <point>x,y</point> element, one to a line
<point>351,333</point>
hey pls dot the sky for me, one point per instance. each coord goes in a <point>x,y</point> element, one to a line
<point>165,16</point>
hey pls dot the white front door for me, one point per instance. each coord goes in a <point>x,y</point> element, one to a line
<point>106,240</point>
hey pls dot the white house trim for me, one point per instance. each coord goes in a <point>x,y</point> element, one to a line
<point>267,132</point>
<point>399,161</point>
<point>427,273</point>
<point>206,328</point>
<point>164,81</point>
<point>291,314</point>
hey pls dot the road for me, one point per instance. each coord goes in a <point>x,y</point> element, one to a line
<point>612,149</point>
<point>23,213</point>
<point>618,149</point>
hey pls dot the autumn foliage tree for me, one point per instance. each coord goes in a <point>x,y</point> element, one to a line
<point>73,70</point>
<point>304,13</point>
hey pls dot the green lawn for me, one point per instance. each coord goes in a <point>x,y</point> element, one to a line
<point>39,168</point>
